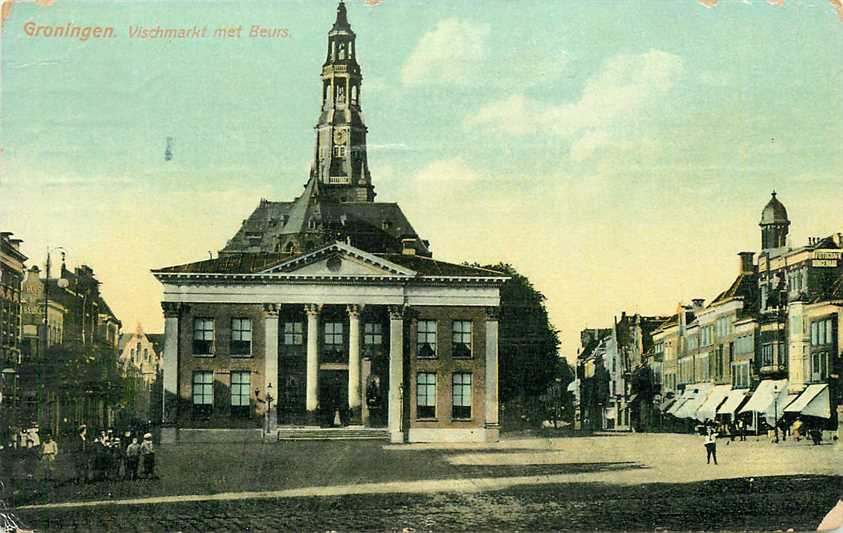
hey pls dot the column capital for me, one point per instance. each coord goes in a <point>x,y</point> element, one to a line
<point>173,309</point>
<point>493,313</point>
<point>270,310</point>
<point>312,309</point>
<point>354,310</point>
<point>398,312</point>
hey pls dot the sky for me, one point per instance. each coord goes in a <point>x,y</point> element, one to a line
<point>618,153</point>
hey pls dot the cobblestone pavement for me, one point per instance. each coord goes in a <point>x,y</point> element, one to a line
<point>617,482</point>
<point>764,504</point>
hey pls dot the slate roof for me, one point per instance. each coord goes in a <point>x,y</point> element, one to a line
<point>743,286</point>
<point>376,227</point>
<point>431,267</point>
<point>774,212</point>
<point>251,263</point>
<point>244,263</point>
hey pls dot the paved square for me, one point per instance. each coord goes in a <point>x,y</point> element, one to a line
<point>574,482</point>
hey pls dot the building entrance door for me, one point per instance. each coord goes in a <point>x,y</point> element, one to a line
<point>333,398</point>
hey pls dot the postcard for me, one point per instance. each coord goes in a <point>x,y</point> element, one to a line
<point>395,265</point>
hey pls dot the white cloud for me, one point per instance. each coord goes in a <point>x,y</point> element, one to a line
<point>622,94</point>
<point>448,54</point>
<point>453,170</point>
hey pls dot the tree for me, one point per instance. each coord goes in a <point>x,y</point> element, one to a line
<point>85,372</point>
<point>528,357</point>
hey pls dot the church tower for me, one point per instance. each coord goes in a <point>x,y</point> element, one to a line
<point>340,165</point>
<point>774,224</point>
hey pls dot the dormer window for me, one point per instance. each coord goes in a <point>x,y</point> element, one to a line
<point>312,224</point>
<point>386,225</point>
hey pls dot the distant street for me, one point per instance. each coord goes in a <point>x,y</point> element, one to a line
<point>613,481</point>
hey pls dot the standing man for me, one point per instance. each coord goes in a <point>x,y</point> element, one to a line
<point>79,449</point>
<point>49,451</point>
<point>133,452</point>
<point>742,428</point>
<point>148,454</point>
<point>710,446</point>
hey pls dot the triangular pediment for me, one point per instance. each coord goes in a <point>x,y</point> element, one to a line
<point>339,260</point>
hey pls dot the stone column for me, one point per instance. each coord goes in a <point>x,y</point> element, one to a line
<point>396,373</point>
<point>312,390</point>
<point>354,402</point>
<point>270,379</point>
<point>172,315</point>
<point>491,399</point>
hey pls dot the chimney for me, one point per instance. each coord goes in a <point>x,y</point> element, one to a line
<point>746,264</point>
<point>408,246</point>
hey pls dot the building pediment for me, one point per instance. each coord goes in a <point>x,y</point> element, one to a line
<point>339,260</point>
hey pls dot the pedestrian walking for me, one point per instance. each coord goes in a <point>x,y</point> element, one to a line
<point>742,428</point>
<point>133,452</point>
<point>49,452</point>
<point>710,442</point>
<point>148,455</point>
<point>796,429</point>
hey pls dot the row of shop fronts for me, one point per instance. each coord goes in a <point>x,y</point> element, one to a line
<point>764,352</point>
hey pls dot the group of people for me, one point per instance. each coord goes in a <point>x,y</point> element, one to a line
<point>24,446</point>
<point>106,456</point>
<point>711,430</point>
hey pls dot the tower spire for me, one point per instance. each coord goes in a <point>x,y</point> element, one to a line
<point>340,162</point>
<point>342,17</point>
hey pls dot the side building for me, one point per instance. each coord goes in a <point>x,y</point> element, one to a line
<point>12,268</point>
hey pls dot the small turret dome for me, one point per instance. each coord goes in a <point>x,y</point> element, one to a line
<point>774,212</point>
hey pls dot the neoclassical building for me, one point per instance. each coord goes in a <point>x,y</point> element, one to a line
<point>329,310</point>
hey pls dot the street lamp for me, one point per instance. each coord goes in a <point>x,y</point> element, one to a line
<point>269,400</point>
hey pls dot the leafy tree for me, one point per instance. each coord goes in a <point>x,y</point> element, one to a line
<point>529,361</point>
<point>75,370</point>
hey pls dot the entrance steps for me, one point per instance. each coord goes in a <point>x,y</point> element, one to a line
<point>344,433</point>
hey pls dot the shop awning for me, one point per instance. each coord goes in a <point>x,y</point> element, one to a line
<point>667,404</point>
<point>768,400</point>
<point>708,410</point>
<point>733,400</point>
<point>676,406</point>
<point>814,401</point>
<point>697,393</point>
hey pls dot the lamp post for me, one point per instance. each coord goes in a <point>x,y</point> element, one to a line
<point>268,401</point>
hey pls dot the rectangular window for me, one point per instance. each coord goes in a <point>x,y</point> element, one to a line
<point>293,333</point>
<point>373,334</point>
<point>426,338</point>
<point>819,366</point>
<point>203,393</point>
<point>767,355</point>
<point>462,396</point>
<point>203,336</point>
<point>426,395</point>
<point>241,336</point>
<point>241,384</point>
<point>461,338</point>
<point>333,334</point>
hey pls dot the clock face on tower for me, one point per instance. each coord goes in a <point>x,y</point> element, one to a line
<point>340,136</point>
